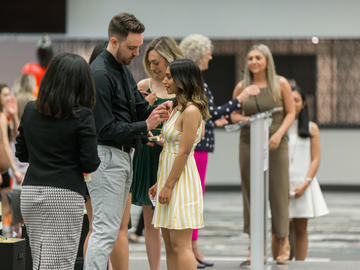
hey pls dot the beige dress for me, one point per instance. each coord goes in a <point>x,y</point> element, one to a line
<point>278,165</point>
<point>185,208</point>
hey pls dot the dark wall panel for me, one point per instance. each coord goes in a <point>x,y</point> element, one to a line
<point>302,69</point>
<point>37,16</point>
<point>221,77</point>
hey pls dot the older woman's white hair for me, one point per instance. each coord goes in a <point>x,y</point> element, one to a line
<point>195,47</point>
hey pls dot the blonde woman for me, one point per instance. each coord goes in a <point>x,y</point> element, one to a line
<point>159,53</point>
<point>24,94</point>
<point>274,92</point>
<point>9,122</point>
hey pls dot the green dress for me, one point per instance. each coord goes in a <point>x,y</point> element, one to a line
<point>145,167</point>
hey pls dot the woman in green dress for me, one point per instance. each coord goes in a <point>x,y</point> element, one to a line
<point>159,53</point>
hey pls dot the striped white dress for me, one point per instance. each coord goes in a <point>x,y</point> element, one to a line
<point>185,209</point>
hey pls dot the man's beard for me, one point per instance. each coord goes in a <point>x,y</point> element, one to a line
<point>121,60</point>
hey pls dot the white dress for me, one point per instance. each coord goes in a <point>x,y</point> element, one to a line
<point>311,204</point>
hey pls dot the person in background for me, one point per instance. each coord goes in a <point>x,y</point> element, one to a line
<point>159,53</point>
<point>23,89</point>
<point>24,92</point>
<point>134,237</point>
<point>306,199</point>
<point>275,92</point>
<point>44,54</point>
<point>199,49</point>
<point>9,122</point>
<point>57,137</point>
<point>178,193</point>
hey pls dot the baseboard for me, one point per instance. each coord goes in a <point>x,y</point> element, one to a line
<point>342,188</point>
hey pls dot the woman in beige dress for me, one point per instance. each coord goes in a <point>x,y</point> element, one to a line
<point>275,91</point>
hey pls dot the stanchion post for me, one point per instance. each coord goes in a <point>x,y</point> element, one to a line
<point>259,184</point>
<point>257,192</point>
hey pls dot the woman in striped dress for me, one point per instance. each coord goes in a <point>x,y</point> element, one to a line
<point>178,192</point>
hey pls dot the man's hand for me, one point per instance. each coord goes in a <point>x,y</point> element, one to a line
<point>168,105</point>
<point>157,116</point>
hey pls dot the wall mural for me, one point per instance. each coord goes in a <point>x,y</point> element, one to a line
<point>330,70</point>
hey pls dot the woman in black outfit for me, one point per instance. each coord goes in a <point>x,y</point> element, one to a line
<point>58,139</point>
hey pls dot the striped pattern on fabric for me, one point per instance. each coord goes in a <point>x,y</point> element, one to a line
<point>185,209</point>
<point>53,219</point>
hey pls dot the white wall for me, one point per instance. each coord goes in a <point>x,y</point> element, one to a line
<point>15,52</point>
<point>339,164</point>
<point>231,19</point>
<point>220,19</point>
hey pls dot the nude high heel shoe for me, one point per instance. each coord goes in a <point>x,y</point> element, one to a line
<point>284,254</point>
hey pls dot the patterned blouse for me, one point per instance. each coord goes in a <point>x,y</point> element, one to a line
<point>207,142</point>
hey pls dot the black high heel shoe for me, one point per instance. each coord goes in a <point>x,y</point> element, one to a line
<point>206,264</point>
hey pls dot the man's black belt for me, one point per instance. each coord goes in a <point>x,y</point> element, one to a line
<point>125,148</point>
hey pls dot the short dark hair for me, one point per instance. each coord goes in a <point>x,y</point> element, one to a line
<point>124,23</point>
<point>190,85</point>
<point>44,51</point>
<point>44,56</point>
<point>66,86</point>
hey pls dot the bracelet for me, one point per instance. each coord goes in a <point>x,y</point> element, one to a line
<point>309,179</point>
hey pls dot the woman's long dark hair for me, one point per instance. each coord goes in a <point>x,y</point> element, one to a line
<point>188,79</point>
<point>97,50</point>
<point>66,86</point>
<point>303,119</point>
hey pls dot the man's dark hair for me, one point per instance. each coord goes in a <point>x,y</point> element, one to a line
<point>44,51</point>
<point>66,86</point>
<point>124,23</point>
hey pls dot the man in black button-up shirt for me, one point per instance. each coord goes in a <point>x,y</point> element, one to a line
<point>113,118</point>
<point>122,117</point>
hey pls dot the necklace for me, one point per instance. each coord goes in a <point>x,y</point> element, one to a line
<point>293,150</point>
<point>293,137</point>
